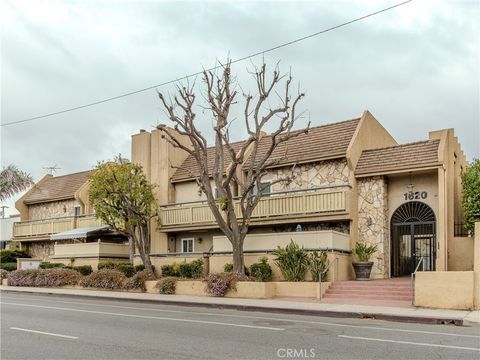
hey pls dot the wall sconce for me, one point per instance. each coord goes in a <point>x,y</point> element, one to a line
<point>200,240</point>
<point>199,192</point>
<point>64,209</point>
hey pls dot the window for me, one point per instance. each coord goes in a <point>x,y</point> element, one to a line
<point>187,245</point>
<point>265,187</point>
<point>76,210</point>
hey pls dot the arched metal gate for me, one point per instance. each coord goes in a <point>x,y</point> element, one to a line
<point>413,228</point>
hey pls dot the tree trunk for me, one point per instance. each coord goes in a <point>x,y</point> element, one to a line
<point>131,249</point>
<point>238,260</point>
<point>144,247</point>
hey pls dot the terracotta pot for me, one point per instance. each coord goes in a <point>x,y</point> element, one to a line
<point>362,270</point>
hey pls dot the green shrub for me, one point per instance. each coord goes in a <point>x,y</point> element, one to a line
<point>44,277</point>
<point>292,261</point>
<point>217,284</point>
<point>10,256</point>
<point>109,265</point>
<point>137,281</point>
<point>318,263</point>
<point>139,267</point>
<point>192,270</point>
<point>105,279</point>
<point>8,266</point>
<point>3,274</point>
<point>83,269</point>
<point>167,285</point>
<point>228,267</point>
<point>127,269</point>
<point>196,268</point>
<point>261,271</point>
<point>363,252</point>
<point>168,270</point>
<point>50,265</point>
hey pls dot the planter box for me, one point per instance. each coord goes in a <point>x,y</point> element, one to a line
<point>250,289</point>
<point>299,289</point>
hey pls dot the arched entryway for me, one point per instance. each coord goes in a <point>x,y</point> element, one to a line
<point>413,237</point>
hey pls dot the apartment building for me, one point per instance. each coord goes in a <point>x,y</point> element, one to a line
<point>352,182</point>
<point>58,224</point>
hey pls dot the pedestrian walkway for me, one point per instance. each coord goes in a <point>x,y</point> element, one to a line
<point>406,314</point>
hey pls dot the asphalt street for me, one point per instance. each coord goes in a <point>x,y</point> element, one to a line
<point>61,327</point>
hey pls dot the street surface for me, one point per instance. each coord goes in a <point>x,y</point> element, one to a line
<point>61,327</point>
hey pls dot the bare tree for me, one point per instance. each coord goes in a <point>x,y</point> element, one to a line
<point>238,169</point>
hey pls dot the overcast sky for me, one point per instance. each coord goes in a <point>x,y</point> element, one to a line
<point>416,68</point>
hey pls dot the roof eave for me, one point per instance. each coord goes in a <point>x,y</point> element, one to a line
<point>399,171</point>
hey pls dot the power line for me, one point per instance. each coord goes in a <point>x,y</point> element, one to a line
<point>210,69</point>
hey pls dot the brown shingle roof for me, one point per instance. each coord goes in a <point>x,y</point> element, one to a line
<point>321,142</point>
<point>189,166</point>
<point>408,156</point>
<point>57,188</point>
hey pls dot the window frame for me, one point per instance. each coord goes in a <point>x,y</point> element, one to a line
<point>193,245</point>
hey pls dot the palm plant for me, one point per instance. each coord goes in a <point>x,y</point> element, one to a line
<point>292,260</point>
<point>363,252</point>
<point>12,181</point>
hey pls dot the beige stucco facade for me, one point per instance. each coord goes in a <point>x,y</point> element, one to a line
<point>370,204</point>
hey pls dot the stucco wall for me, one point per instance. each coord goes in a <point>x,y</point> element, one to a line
<point>373,222</point>
<point>397,187</point>
<point>270,241</point>
<point>446,290</point>
<point>460,254</point>
<point>52,209</point>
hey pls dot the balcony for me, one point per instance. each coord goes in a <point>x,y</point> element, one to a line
<point>45,227</point>
<point>306,205</point>
<point>94,249</point>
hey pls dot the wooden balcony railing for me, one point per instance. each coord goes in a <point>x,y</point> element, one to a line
<point>53,225</point>
<point>277,205</point>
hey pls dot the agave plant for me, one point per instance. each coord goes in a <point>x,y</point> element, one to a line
<point>12,181</point>
<point>292,261</point>
<point>363,252</point>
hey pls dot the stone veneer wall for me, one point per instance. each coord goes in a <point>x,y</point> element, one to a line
<point>45,249</point>
<point>52,209</point>
<point>373,221</point>
<point>321,173</point>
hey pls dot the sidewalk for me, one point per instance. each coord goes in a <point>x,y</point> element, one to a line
<point>403,314</point>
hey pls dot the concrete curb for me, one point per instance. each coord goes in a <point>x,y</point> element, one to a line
<point>279,310</point>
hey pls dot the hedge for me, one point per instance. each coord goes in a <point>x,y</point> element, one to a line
<point>44,277</point>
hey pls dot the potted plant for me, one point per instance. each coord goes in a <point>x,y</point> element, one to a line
<point>363,267</point>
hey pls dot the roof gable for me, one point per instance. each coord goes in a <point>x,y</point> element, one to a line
<point>57,188</point>
<point>321,142</point>
<point>401,157</point>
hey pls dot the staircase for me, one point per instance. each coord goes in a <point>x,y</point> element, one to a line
<point>386,292</point>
